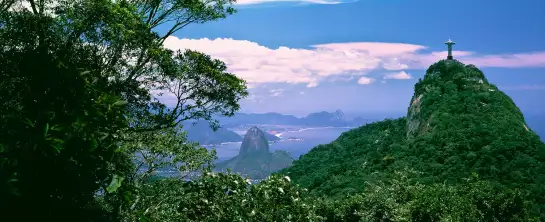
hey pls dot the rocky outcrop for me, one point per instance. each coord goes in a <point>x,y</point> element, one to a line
<point>254,142</point>
<point>254,159</point>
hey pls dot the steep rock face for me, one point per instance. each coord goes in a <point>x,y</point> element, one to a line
<point>254,159</point>
<point>254,142</point>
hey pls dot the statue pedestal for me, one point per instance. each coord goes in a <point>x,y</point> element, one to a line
<point>449,57</point>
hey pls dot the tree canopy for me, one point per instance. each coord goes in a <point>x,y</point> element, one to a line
<point>79,88</point>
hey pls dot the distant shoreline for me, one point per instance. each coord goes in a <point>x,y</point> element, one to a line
<point>279,135</point>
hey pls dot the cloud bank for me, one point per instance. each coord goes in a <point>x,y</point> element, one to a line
<point>398,75</point>
<point>258,64</point>
<point>365,80</point>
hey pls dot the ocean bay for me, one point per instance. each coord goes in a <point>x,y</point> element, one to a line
<point>300,142</point>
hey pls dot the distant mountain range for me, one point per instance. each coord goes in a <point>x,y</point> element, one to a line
<point>202,133</point>
<point>323,118</point>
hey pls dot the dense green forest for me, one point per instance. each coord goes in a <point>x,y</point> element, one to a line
<point>358,156</point>
<point>82,134</point>
<point>460,131</point>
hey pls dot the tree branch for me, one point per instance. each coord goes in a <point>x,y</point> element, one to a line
<point>5,5</point>
<point>176,27</point>
<point>33,6</point>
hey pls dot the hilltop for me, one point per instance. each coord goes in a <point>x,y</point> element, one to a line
<point>458,126</point>
<point>473,127</point>
<point>255,159</point>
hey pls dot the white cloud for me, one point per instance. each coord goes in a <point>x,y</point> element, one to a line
<point>341,78</point>
<point>365,80</point>
<point>276,92</point>
<point>382,49</point>
<point>312,84</point>
<point>398,75</point>
<point>258,64</point>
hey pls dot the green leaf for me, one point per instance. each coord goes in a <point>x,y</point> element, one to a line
<point>85,72</point>
<point>115,184</point>
<point>103,136</point>
<point>57,148</point>
<point>120,103</point>
<point>94,145</point>
<point>29,122</point>
<point>46,130</point>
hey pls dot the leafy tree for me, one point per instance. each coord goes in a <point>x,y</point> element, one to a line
<point>403,199</point>
<point>77,85</point>
<point>224,197</point>
<point>228,197</point>
<point>152,152</point>
<point>59,120</point>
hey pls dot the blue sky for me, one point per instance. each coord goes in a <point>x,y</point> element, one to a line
<point>365,56</point>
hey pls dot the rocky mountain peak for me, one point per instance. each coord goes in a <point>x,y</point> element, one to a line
<point>450,82</point>
<point>254,142</point>
<point>339,115</point>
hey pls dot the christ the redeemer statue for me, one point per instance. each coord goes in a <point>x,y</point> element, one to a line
<point>449,43</point>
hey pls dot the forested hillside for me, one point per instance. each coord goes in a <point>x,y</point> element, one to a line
<point>458,127</point>
<point>461,124</point>
<point>344,166</point>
